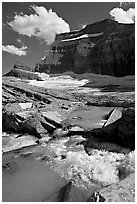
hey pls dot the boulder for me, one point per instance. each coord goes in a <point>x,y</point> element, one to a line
<point>122,191</point>
<point>121,130</point>
<point>26,122</point>
<point>10,123</point>
<point>117,134</point>
<point>76,130</point>
<point>11,143</point>
<point>96,143</point>
<point>53,117</point>
<point>25,105</point>
<point>69,193</point>
<point>114,116</point>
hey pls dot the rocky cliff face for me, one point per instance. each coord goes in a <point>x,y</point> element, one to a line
<point>23,72</point>
<point>106,47</point>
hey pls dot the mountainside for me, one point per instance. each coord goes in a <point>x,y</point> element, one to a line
<point>106,47</point>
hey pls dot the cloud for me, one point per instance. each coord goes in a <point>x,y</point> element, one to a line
<point>124,3</point>
<point>14,50</point>
<point>43,24</point>
<point>122,16</point>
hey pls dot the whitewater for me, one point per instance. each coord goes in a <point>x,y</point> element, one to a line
<point>101,167</point>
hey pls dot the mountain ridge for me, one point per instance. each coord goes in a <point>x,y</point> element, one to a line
<point>104,47</point>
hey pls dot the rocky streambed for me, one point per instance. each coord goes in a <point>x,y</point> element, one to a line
<point>59,146</point>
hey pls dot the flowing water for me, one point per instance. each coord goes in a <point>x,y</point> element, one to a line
<point>48,167</point>
<point>27,180</point>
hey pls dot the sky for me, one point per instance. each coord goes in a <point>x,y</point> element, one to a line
<point>29,28</point>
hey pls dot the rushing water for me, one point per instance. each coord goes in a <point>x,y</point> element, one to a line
<point>49,167</point>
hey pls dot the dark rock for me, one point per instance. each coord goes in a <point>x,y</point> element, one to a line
<point>116,135</point>
<point>63,157</point>
<point>10,123</point>
<point>96,143</point>
<point>96,197</point>
<point>33,124</point>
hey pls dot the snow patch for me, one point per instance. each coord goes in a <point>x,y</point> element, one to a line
<point>82,36</point>
<point>59,82</point>
<point>25,105</point>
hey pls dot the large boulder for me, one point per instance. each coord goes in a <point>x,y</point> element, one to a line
<point>15,118</point>
<point>117,133</point>
<point>53,117</point>
<point>122,191</point>
<point>70,193</point>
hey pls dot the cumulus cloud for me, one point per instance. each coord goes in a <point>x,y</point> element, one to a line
<point>124,3</point>
<point>122,16</point>
<point>14,50</point>
<point>43,24</point>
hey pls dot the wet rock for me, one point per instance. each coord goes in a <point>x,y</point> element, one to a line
<point>69,193</point>
<point>96,197</point>
<point>122,191</point>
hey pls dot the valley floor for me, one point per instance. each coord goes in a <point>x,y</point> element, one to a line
<point>55,146</point>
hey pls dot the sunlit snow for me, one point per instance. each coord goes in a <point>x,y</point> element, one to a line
<point>58,82</point>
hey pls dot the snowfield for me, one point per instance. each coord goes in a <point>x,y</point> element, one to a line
<point>58,82</point>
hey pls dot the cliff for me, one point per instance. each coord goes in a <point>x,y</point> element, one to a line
<point>106,47</point>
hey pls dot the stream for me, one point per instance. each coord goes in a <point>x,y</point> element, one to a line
<point>36,173</point>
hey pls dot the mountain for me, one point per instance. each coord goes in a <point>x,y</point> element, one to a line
<point>106,47</point>
<point>22,71</point>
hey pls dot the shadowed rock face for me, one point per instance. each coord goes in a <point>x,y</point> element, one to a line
<point>116,135</point>
<point>104,47</point>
